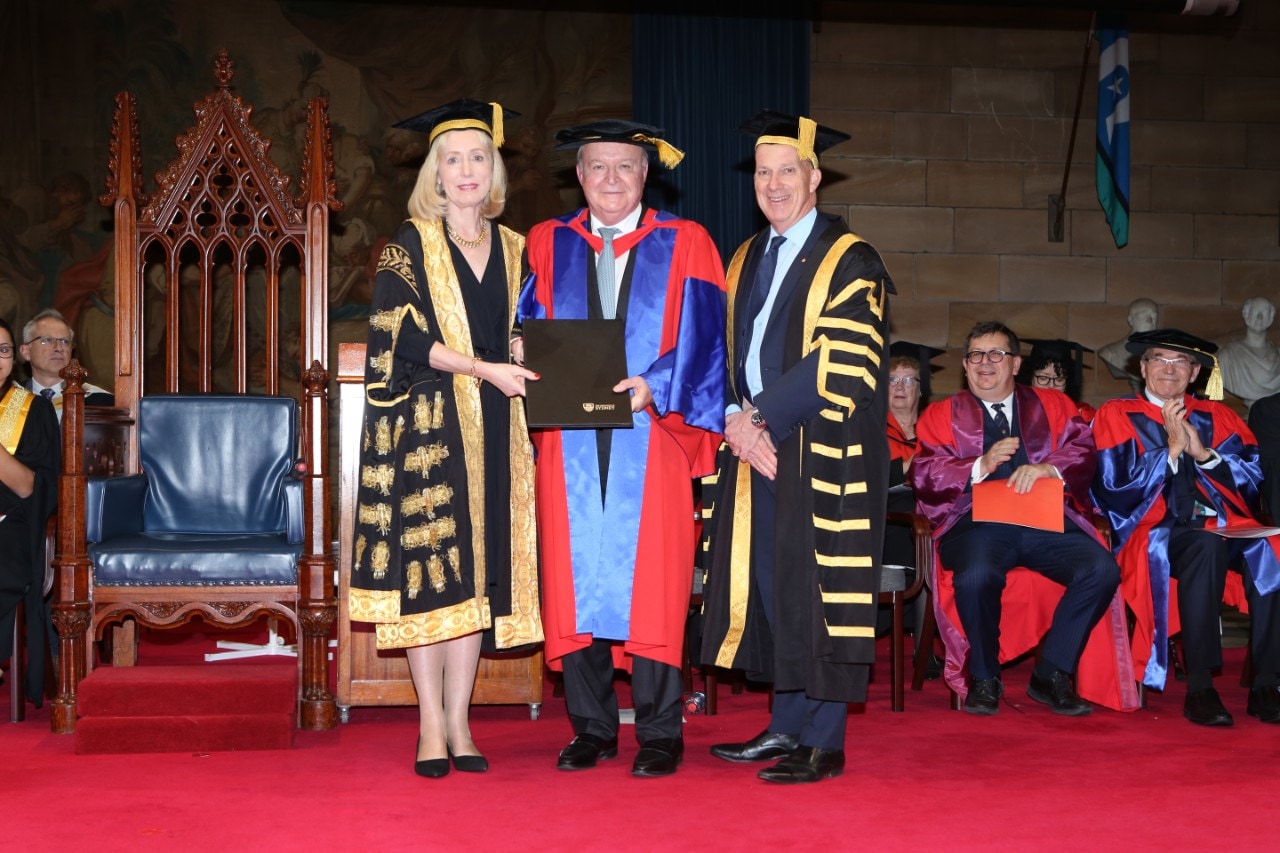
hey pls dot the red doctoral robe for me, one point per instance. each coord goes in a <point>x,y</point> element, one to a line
<point>950,440</point>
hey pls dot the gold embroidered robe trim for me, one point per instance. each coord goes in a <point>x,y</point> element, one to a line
<point>13,416</point>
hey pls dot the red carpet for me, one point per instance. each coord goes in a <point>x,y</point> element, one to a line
<point>927,779</point>
<point>205,707</point>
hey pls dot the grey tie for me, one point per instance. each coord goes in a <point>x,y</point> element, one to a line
<point>47,393</point>
<point>607,274</point>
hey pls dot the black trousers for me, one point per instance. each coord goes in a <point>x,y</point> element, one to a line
<point>1199,560</point>
<point>981,554</point>
<point>656,689</point>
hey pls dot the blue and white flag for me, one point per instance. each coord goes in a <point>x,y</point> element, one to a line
<point>1113,130</point>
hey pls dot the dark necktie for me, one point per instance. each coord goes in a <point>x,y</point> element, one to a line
<point>764,278</point>
<point>607,274</point>
<point>47,393</point>
<point>1002,422</point>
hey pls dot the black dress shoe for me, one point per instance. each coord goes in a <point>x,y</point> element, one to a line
<point>432,768</point>
<point>805,764</point>
<point>659,757</point>
<point>584,751</point>
<point>1264,703</point>
<point>1204,708</point>
<point>766,746</point>
<point>1056,692</point>
<point>984,696</point>
<point>470,763</point>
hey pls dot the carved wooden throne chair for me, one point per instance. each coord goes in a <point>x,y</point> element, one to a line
<point>221,279</point>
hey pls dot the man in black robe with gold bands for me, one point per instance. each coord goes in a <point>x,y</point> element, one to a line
<point>797,510</point>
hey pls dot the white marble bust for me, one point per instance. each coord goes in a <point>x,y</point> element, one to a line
<point>1251,366</point>
<point>1143,316</point>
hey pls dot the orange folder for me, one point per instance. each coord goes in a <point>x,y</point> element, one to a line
<point>1041,508</point>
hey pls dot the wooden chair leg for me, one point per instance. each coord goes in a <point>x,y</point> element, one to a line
<point>924,643</point>
<point>17,672</point>
<point>898,654</point>
<point>124,643</point>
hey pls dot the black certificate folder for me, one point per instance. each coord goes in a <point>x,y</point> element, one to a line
<point>580,361</point>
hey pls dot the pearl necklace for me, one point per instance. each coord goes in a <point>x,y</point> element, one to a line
<point>468,244</point>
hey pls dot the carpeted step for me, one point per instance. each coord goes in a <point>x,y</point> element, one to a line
<point>148,691</point>
<point>197,708</point>
<point>192,733</point>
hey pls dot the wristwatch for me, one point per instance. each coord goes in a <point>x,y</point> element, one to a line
<point>757,419</point>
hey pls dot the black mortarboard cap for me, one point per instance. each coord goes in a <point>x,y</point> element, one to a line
<point>922,353</point>
<point>1069,354</point>
<point>645,136</point>
<point>801,133</point>
<point>461,114</point>
<point>1180,341</point>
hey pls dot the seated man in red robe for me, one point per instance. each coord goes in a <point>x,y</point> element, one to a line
<point>1000,430</point>
<point>1172,468</point>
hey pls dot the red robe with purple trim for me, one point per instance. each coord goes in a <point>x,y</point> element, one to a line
<point>680,340</point>
<point>950,439</point>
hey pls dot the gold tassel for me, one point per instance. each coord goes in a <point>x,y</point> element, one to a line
<point>497,124</point>
<point>669,155</point>
<point>808,132</point>
<point>1213,389</point>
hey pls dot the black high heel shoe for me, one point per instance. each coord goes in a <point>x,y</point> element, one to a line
<point>432,768</point>
<point>469,763</point>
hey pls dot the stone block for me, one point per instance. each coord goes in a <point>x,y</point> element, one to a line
<point>1215,190</point>
<point>1170,97</point>
<point>1217,323</point>
<point>1015,232</point>
<point>1032,140</point>
<point>1040,180</point>
<point>844,86</point>
<point>1250,237</point>
<point>902,269</point>
<point>897,44</point>
<point>933,136</point>
<point>1243,280</point>
<point>1028,278</point>
<point>919,321</point>
<point>871,132</point>
<point>1241,54</point>
<point>1151,235</point>
<point>1243,98</point>
<point>955,183</point>
<point>904,229</point>
<point>1263,141</point>
<point>1168,282</point>
<point>1028,320</point>
<point>1002,91</point>
<point>968,278</point>
<point>1181,143</point>
<point>849,180</point>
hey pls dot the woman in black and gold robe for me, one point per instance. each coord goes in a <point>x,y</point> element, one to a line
<point>30,454</point>
<point>445,547</point>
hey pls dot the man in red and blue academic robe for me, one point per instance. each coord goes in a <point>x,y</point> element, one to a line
<point>1171,469</point>
<point>1000,430</point>
<point>615,506</point>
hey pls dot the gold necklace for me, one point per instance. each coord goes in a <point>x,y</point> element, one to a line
<point>468,244</point>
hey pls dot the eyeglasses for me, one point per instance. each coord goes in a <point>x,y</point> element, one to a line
<point>6,350</point>
<point>1175,363</point>
<point>904,380</point>
<point>995,356</point>
<point>1050,381</point>
<point>48,341</point>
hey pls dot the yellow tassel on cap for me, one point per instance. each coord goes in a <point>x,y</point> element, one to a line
<point>808,132</point>
<point>497,124</point>
<point>1213,388</point>
<point>669,155</point>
